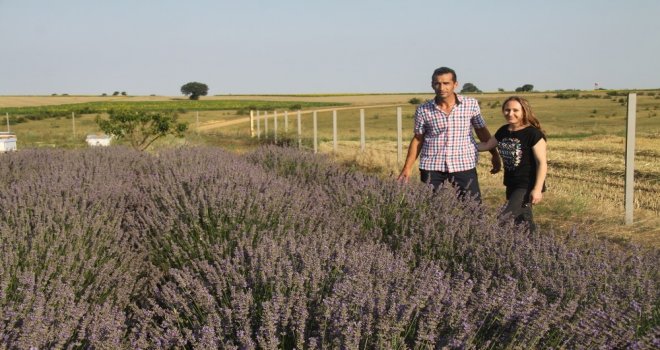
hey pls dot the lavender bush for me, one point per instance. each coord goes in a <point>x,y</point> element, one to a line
<point>199,248</point>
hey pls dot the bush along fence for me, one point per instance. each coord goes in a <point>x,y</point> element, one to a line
<point>199,248</point>
<point>257,118</point>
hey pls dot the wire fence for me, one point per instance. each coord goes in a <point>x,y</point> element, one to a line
<point>310,128</point>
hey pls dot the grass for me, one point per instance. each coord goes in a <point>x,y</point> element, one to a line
<point>586,149</point>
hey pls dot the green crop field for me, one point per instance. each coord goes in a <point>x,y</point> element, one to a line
<point>585,130</point>
<point>21,114</point>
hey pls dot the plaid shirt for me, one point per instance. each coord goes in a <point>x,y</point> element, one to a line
<point>448,144</point>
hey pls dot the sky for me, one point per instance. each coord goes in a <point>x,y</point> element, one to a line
<point>146,47</point>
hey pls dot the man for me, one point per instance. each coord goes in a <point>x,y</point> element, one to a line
<point>443,138</point>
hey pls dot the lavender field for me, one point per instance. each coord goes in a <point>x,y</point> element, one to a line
<point>199,248</point>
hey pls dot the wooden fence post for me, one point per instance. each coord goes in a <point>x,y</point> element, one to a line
<point>197,122</point>
<point>251,123</point>
<point>286,122</point>
<point>362,133</point>
<point>299,131</point>
<point>399,136</point>
<point>258,125</point>
<point>315,134</point>
<point>630,157</point>
<point>265,124</point>
<point>7,122</point>
<point>275,125</point>
<point>73,123</point>
<point>334,130</point>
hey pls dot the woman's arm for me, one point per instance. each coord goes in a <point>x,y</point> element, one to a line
<point>540,157</point>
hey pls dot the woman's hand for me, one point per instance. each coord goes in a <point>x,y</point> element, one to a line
<point>535,197</point>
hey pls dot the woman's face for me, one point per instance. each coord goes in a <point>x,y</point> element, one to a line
<point>513,113</point>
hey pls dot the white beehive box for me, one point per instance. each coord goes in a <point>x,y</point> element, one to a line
<point>7,142</point>
<point>98,140</point>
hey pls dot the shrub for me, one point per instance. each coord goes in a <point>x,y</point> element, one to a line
<point>414,101</point>
<point>199,248</point>
<point>470,88</point>
<point>567,95</point>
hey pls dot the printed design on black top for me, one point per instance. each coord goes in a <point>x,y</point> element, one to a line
<point>511,152</point>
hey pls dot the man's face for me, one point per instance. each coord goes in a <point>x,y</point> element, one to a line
<point>444,85</point>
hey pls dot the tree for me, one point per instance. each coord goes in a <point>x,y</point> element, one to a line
<point>469,87</point>
<point>525,88</point>
<point>141,128</point>
<point>194,89</point>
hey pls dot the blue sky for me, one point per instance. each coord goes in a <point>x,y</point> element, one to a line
<point>294,46</point>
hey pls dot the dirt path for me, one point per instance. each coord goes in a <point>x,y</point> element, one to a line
<point>220,124</point>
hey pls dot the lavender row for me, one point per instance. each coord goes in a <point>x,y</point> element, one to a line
<point>200,248</point>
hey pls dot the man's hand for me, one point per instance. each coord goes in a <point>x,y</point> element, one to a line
<point>404,177</point>
<point>484,136</point>
<point>496,162</point>
<point>413,152</point>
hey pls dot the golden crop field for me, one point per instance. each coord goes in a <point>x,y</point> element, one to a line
<point>585,147</point>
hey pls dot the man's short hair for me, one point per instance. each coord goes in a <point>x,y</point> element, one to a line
<point>444,70</point>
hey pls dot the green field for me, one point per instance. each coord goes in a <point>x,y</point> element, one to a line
<point>21,114</point>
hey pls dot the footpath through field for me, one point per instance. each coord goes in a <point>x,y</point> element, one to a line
<point>220,124</point>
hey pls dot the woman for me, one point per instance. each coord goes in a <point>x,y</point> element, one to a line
<point>522,146</point>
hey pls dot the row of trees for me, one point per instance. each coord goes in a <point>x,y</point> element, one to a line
<point>471,88</point>
<point>116,93</point>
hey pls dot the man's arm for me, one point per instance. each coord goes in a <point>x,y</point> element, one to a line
<point>414,149</point>
<point>484,135</point>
